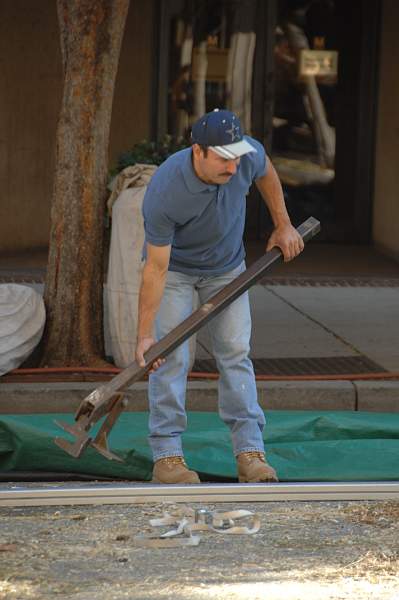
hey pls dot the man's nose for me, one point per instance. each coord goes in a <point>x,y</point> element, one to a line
<point>231,167</point>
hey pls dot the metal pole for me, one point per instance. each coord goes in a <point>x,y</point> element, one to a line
<point>212,493</point>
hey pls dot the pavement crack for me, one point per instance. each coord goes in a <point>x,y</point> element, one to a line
<point>310,318</point>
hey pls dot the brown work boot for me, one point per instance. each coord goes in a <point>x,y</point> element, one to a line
<point>173,469</point>
<point>253,468</point>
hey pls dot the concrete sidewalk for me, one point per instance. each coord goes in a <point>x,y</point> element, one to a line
<point>320,321</point>
<point>327,321</point>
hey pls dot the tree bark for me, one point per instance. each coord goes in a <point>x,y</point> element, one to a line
<point>91,35</point>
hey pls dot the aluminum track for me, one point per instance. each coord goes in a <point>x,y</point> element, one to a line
<point>57,495</point>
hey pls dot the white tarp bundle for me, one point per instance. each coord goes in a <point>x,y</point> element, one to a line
<point>22,319</point>
<point>125,264</point>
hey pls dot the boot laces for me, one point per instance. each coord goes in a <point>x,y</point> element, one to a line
<point>252,454</point>
<point>173,460</point>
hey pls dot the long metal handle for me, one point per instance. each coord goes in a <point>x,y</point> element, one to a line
<point>197,319</point>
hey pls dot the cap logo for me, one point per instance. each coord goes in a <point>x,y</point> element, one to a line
<point>234,132</point>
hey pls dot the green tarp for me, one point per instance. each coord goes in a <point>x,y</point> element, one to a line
<point>302,446</point>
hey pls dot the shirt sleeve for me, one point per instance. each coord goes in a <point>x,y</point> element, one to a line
<point>159,228</point>
<point>258,158</point>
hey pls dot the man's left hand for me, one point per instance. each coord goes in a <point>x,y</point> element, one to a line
<point>288,240</point>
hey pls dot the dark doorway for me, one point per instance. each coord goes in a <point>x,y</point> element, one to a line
<point>302,76</point>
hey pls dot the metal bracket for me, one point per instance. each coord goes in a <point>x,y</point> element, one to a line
<point>83,440</point>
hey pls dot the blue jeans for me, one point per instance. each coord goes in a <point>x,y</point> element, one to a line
<point>230,333</point>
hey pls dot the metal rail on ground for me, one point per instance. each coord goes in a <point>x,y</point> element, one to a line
<point>59,495</point>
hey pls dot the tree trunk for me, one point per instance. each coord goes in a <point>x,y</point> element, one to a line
<point>91,36</point>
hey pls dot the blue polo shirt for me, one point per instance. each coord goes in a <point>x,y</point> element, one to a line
<point>203,223</point>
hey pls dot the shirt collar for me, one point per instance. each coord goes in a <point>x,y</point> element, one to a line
<point>194,183</point>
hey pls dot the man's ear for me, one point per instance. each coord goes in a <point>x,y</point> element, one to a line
<point>197,150</point>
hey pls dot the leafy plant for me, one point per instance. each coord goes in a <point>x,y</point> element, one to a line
<point>150,153</point>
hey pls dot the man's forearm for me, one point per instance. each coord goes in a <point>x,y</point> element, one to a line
<point>284,235</point>
<point>151,290</point>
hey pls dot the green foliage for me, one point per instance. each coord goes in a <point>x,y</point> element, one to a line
<point>150,153</point>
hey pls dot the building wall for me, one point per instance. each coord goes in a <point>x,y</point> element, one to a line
<point>30,97</point>
<point>386,192</point>
<point>30,94</point>
<point>131,114</point>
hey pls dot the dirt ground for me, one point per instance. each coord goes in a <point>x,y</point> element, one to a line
<point>312,550</point>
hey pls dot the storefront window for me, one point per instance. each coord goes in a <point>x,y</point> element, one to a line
<point>295,72</point>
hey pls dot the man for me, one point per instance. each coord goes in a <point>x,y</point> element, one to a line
<point>194,216</point>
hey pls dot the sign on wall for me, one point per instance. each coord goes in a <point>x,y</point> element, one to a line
<point>318,62</point>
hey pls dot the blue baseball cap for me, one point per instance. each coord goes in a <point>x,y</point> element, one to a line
<point>220,130</point>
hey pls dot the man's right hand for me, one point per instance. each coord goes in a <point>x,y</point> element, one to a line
<point>143,345</point>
